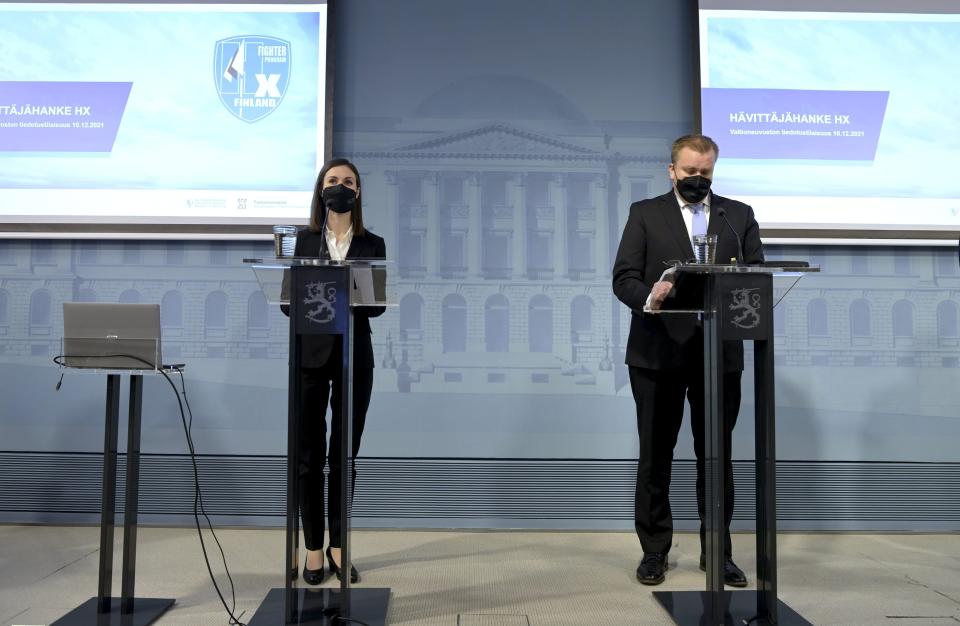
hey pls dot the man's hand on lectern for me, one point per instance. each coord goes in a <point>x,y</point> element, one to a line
<point>659,293</point>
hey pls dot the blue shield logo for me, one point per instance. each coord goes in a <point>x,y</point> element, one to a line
<point>251,73</point>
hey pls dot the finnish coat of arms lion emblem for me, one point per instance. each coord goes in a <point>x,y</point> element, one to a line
<point>320,301</point>
<point>745,306</point>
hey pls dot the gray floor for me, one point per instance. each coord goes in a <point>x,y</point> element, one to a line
<point>551,578</point>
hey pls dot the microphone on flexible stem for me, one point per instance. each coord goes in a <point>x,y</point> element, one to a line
<point>323,232</point>
<point>722,213</point>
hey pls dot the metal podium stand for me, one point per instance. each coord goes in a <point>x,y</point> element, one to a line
<point>321,295</point>
<point>736,303</point>
<point>126,610</point>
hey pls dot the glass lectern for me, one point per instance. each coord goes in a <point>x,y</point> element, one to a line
<point>734,302</point>
<point>321,295</point>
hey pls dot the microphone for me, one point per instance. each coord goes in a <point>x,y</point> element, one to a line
<point>324,252</point>
<point>722,213</point>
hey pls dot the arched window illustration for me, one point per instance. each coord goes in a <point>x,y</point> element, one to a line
<point>215,312</point>
<point>540,324</point>
<point>902,321</point>
<point>130,296</point>
<point>581,319</point>
<point>947,322</point>
<point>257,314</point>
<point>171,310</point>
<point>454,323</point>
<point>860,325</point>
<point>817,318</point>
<point>496,323</point>
<point>411,317</point>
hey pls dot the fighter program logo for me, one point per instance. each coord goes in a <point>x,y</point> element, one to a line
<point>251,73</point>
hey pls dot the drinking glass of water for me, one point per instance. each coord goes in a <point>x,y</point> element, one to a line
<point>705,248</point>
<point>284,240</point>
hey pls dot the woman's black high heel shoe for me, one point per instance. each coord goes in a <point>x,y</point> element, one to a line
<point>313,576</point>
<point>354,574</point>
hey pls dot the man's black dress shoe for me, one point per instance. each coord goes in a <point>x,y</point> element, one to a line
<point>313,576</point>
<point>354,574</point>
<point>652,567</point>
<point>732,575</point>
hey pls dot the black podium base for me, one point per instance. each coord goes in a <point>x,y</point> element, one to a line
<point>145,611</point>
<point>687,608</point>
<point>320,607</point>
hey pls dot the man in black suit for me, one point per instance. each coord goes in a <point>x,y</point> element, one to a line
<point>665,352</point>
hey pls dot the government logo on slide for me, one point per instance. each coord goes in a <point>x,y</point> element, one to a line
<point>251,73</point>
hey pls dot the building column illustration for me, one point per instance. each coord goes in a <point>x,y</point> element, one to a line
<point>518,198</point>
<point>431,197</point>
<point>392,189</point>
<point>598,197</point>
<point>475,228</point>
<point>558,198</point>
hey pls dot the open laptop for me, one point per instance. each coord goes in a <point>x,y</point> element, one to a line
<point>98,335</point>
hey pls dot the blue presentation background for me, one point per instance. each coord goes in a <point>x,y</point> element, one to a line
<point>913,60</point>
<point>175,133</point>
<point>449,129</point>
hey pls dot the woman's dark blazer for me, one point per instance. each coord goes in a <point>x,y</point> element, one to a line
<point>315,350</point>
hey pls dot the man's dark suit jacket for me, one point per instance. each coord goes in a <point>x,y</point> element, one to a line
<point>654,236</point>
<point>315,350</point>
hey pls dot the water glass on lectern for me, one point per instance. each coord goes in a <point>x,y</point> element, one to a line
<point>705,248</point>
<point>284,240</point>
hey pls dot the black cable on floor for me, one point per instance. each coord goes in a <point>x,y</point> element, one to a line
<point>197,494</point>
<point>339,618</point>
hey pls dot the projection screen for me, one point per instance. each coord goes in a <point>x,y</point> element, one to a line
<point>160,119</point>
<point>836,119</point>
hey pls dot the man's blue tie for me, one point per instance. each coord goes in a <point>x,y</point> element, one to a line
<point>699,219</point>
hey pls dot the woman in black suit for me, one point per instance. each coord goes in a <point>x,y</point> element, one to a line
<point>336,232</point>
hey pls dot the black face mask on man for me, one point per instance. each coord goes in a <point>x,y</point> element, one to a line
<point>693,188</point>
<point>339,198</point>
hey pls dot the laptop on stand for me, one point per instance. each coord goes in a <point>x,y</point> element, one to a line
<point>111,336</point>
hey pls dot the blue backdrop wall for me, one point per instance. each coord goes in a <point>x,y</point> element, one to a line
<point>500,146</point>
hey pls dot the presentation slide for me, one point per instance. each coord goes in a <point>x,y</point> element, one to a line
<point>835,119</point>
<point>161,113</point>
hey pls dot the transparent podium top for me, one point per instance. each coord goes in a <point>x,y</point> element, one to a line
<point>778,269</point>
<point>770,267</point>
<point>282,262</point>
<point>371,285</point>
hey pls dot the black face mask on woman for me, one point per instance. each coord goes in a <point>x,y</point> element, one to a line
<point>339,198</point>
<point>693,188</point>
